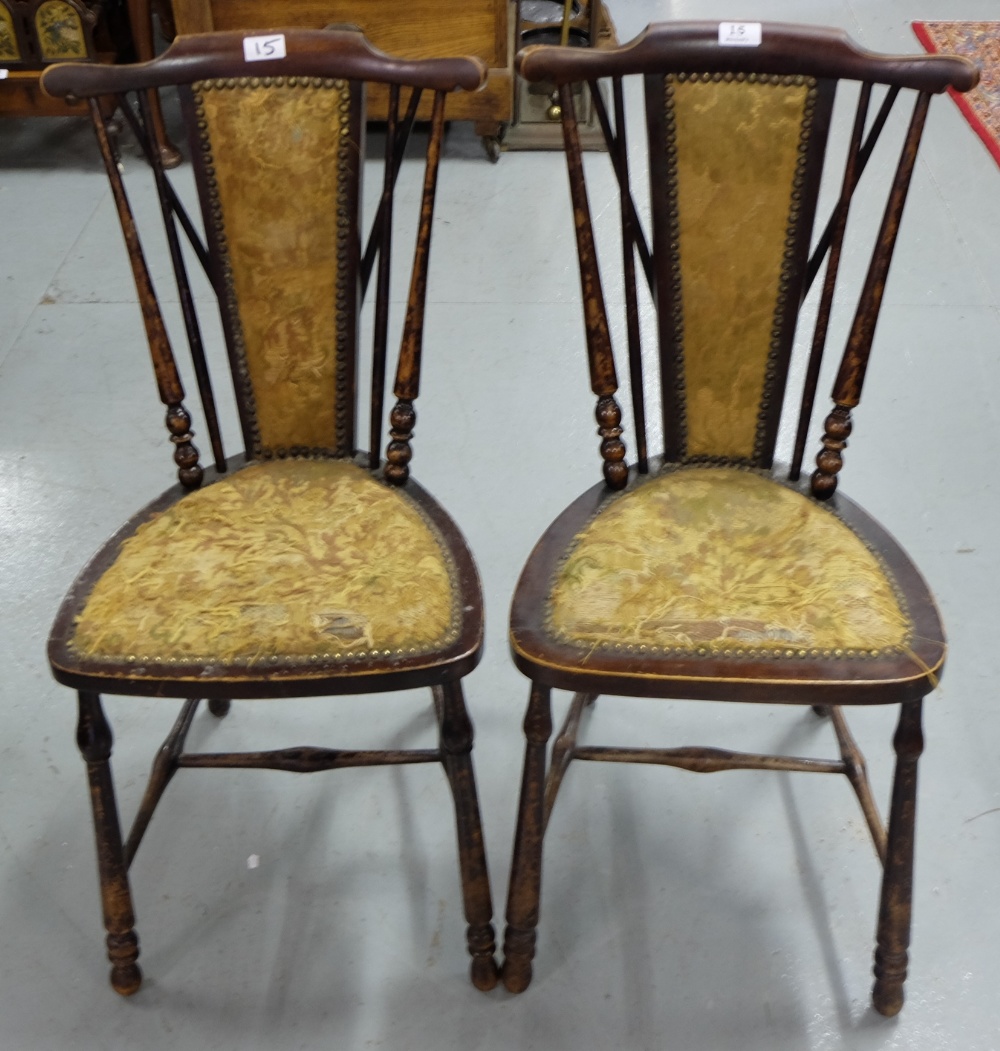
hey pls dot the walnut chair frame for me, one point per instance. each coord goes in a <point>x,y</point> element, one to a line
<point>246,121</point>
<point>722,439</point>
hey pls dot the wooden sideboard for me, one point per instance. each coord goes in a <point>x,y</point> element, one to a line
<point>37,33</point>
<point>410,28</point>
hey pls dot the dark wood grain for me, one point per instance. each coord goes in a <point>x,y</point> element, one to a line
<point>631,234</point>
<point>891,954</point>
<point>164,366</point>
<point>310,53</point>
<point>382,228</point>
<point>93,737</point>
<point>854,364</point>
<point>785,49</point>
<point>837,230</point>
<point>526,865</point>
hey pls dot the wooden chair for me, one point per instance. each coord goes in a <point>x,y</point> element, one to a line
<point>710,572</point>
<point>298,566</point>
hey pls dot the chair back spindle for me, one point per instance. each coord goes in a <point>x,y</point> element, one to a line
<point>192,327</point>
<point>851,377</point>
<point>834,244</point>
<point>168,380</point>
<point>629,239</point>
<point>382,230</point>
<point>738,140</point>
<point>403,417</point>
<point>603,377</point>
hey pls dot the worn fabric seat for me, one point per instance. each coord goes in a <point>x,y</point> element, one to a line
<point>290,561</point>
<point>698,578</point>
<point>716,560</point>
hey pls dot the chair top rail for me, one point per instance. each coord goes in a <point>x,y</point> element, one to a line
<point>784,50</point>
<point>341,53</point>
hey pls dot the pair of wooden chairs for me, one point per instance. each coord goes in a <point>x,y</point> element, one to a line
<point>301,566</point>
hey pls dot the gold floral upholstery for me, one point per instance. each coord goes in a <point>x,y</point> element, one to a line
<point>295,559</point>
<point>735,210</point>
<point>709,560</point>
<point>275,150</point>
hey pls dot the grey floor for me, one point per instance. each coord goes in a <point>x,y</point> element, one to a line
<point>733,912</point>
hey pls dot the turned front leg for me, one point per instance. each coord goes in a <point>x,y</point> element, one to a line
<point>456,749</point>
<point>893,938</point>
<point>94,740</point>
<point>526,867</point>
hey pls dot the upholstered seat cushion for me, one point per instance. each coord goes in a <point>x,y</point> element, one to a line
<point>290,560</point>
<point>711,560</point>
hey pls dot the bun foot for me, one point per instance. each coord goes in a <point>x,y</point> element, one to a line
<point>123,950</point>
<point>484,973</point>
<point>888,999</point>
<point>126,980</point>
<point>516,975</point>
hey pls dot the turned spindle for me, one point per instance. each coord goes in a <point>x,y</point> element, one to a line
<point>836,431</point>
<point>609,418</point>
<point>402,420</point>
<point>189,470</point>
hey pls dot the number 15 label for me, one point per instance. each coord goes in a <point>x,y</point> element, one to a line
<point>263,48</point>
<point>739,34</point>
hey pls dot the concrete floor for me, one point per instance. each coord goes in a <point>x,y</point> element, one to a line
<point>682,913</point>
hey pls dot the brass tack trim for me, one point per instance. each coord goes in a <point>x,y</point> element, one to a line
<point>342,435</point>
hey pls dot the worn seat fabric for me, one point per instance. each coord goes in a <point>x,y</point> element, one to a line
<point>708,560</point>
<point>291,560</point>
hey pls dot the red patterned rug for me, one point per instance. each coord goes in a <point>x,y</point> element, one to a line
<point>979,41</point>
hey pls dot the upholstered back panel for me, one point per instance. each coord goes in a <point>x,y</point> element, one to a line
<point>741,156</point>
<point>279,163</point>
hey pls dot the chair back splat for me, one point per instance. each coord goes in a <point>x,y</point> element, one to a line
<point>708,571</point>
<point>298,567</point>
<point>737,147</point>
<point>277,158</point>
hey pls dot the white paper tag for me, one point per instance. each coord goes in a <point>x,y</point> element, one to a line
<point>4,73</point>
<point>739,34</point>
<point>263,48</point>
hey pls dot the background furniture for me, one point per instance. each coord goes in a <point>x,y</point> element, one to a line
<point>36,33</point>
<point>299,566</point>
<point>710,572</point>
<point>584,23</point>
<point>415,29</point>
